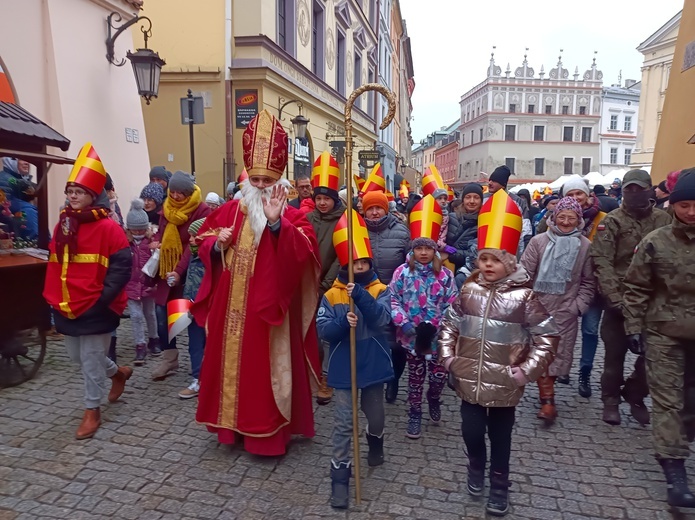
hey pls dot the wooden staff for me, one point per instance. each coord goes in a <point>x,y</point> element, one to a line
<point>391,97</point>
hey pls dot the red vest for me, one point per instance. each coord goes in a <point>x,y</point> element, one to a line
<point>75,285</point>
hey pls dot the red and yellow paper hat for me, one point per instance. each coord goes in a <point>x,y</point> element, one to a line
<point>361,247</point>
<point>404,190</point>
<point>359,182</point>
<point>432,181</point>
<point>88,170</point>
<point>178,317</point>
<point>426,219</point>
<point>375,181</point>
<point>264,144</point>
<point>326,172</point>
<point>548,190</point>
<point>450,192</point>
<point>244,176</point>
<point>390,197</point>
<point>536,195</point>
<point>499,224</point>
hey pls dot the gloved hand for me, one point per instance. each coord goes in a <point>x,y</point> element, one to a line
<point>635,344</point>
<point>519,376</point>
<point>409,329</point>
<point>449,250</point>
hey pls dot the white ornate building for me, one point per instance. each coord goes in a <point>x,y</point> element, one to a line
<point>541,125</point>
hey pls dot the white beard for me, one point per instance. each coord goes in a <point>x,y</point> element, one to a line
<point>253,199</point>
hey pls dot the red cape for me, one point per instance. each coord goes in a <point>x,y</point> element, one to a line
<point>261,353</point>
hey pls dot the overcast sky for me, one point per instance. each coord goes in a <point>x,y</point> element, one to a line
<point>451,42</point>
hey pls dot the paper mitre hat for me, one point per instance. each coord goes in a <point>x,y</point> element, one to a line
<point>264,145</point>
<point>499,224</point>
<point>404,190</point>
<point>178,317</point>
<point>390,197</point>
<point>88,171</point>
<point>375,181</point>
<point>359,182</point>
<point>450,192</point>
<point>244,176</point>
<point>361,247</point>
<point>432,182</point>
<point>326,172</point>
<point>426,222</point>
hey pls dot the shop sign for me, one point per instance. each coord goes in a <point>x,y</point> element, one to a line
<point>301,151</point>
<point>246,103</point>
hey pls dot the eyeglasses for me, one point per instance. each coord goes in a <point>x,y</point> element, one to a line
<point>75,191</point>
<point>567,220</point>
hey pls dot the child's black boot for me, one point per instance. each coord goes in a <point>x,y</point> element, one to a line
<point>340,485</point>
<point>498,501</point>
<point>375,457</point>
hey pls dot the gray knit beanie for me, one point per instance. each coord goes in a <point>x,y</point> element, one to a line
<point>137,219</point>
<point>182,182</point>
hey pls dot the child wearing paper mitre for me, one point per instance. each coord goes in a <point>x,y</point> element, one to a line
<point>370,319</point>
<point>421,290</point>
<point>494,339</point>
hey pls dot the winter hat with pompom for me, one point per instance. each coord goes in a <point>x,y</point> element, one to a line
<point>137,219</point>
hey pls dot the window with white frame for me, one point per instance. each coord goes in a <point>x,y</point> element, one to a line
<point>614,156</point>
<point>614,122</point>
<point>628,155</point>
<point>628,124</point>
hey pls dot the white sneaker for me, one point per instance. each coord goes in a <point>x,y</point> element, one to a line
<point>191,391</point>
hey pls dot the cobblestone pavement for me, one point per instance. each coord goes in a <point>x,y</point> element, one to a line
<point>150,460</point>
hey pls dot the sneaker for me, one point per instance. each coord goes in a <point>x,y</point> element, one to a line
<point>153,347</point>
<point>191,391</point>
<point>475,482</point>
<point>140,355</point>
<point>414,425</point>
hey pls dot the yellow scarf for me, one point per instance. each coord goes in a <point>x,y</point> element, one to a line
<point>177,214</point>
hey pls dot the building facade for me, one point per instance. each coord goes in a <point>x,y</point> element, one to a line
<point>618,132</point>
<point>446,155</point>
<point>541,126</point>
<point>273,54</point>
<point>52,63</point>
<point>658,51</point>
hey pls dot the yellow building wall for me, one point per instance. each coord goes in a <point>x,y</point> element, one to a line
<point>191,41</point>
<point>672,150</point>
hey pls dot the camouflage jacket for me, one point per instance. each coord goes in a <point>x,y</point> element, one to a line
<point>660,283</point>
<point>614,245</point>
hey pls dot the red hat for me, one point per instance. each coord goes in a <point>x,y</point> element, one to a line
<point>265,146</point>
<point>88,171</point>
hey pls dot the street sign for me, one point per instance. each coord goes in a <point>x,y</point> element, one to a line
<point>198,111</point>
<point>336,144</point>
<point>301,150</point>
<point>369,155</point>
<point>246,103</point>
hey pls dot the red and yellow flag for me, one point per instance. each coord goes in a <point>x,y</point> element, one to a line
<point>432,181</point>
<point>88,170</point>
<point>359,182</point>
<point>244,176</point>
<point>375,181</point>
<point>326,172</point>
<point>361,247</point>
<point>404,190</point>
<point>177,316</point>
<point>426,219</point>
<point>450,192</point>
<point>390,197</point>
<point>499,224</point>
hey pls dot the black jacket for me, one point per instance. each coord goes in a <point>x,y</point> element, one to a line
<point>463,236</point>
<point>607,203</point>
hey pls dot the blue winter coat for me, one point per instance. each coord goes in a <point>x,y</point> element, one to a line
<point>373,309</point>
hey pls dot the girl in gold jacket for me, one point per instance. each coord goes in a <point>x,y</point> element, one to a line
<point>494,339</point>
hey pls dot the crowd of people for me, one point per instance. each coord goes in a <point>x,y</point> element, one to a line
<point>486,292</point>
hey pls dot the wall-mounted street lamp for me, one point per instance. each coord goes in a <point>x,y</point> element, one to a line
<point>299,121</point>
<point>147,65</point>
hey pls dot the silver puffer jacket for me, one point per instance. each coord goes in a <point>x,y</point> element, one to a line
<point>490,328</point>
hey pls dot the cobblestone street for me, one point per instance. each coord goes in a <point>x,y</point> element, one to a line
<point>150,460</point>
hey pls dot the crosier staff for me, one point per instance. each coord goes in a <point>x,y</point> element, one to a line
<point>391,98</point>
